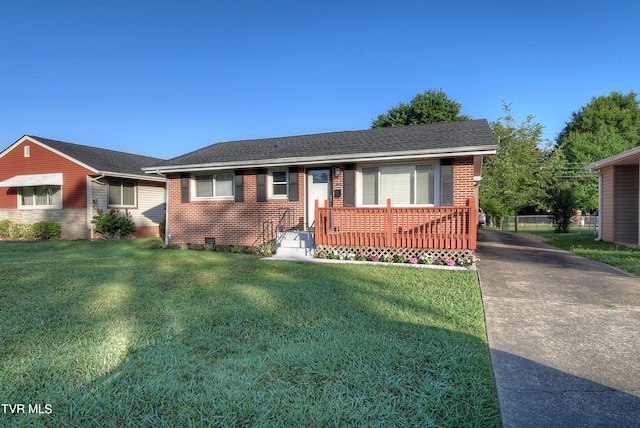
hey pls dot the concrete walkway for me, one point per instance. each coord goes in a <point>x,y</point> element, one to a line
<point>564,333</point>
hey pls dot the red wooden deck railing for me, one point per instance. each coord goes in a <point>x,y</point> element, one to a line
<point>427,227</point>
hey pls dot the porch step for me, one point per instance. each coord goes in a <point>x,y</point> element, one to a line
<point>285,252</point>
<point>295,244</point>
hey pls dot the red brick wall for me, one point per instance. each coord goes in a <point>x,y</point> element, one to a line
<point>140,232</point>
<point>463,186</point>
<point>336,184</point>
<point>241,223</point>
<point>43,161</point>
<point>231,223</point>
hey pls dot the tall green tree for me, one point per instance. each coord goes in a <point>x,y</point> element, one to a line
<point>427,107</point>
<point>514,178</point>
<point>606,126</point>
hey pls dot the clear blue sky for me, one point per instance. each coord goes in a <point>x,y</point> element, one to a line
<point>163,78</point>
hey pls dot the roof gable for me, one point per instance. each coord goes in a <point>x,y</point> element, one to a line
<point>442,137</point>
<point>93,158</point>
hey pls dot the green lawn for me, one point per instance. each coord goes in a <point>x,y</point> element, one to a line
<point>116,334</point>
<point>583,243</point>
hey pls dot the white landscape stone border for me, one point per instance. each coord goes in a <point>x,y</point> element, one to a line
<point>335,261</point>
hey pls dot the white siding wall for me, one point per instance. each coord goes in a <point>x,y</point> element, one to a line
<point>151,202</point>
<point>150,207</point>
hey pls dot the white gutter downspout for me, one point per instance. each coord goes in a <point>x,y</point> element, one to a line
<point>93,180</point>
<point>166,207</point>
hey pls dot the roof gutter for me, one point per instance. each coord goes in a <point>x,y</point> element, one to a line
<point>326,160</point>
<point>133,176</point>
<point>614,159</point>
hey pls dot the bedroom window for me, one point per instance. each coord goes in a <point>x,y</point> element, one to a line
<point>404,185</point>
<point>279,184</point>
<point>41,196</point>
<point>122,193</point>
<point>214,186</point>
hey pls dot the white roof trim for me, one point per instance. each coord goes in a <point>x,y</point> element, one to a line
<point>133,176</point>
<point>614,159</point>
<point>327,160</point>
<point>33,180</point>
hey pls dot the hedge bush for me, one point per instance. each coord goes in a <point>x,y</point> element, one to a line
<point>112,225</point>
<point>45,230</point>
<point>5,229</point>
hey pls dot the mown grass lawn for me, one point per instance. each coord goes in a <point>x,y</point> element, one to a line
<point>116,334</point>
<point>583,243</point>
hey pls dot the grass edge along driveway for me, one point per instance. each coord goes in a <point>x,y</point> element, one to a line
<point>584,244</point>
<point>110,333</point>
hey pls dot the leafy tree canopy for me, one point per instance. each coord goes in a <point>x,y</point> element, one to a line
<point>606,126</point>
<point>515,177</point>
<point>427,107</point>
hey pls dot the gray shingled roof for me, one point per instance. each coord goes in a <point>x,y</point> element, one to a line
<point>440,136</point>
<point>102,160</point>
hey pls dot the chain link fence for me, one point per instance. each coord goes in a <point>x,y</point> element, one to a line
<point>584,223</point>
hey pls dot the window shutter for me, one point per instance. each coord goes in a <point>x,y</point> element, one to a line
<point>261,185</point>
<point>184,188</point>
<point>239,190</point>
<point>446,182</point>
<point>349,186</point>
<point>294,193</point>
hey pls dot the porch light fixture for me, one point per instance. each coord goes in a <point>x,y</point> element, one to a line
<point>337,172</point>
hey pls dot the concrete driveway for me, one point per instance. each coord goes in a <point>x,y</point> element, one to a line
<point>564,333</point>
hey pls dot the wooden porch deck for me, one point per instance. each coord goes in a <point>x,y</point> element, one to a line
<point>396,227</point>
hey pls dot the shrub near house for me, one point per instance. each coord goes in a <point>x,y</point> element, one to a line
<point>44,230</point>
<point>113,225</point>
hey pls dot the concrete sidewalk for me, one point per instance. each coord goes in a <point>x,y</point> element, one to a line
<point>564,333</point>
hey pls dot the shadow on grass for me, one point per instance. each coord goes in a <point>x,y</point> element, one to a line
<point>159,338</point>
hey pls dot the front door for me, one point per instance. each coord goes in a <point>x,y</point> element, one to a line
<point>318,188</point>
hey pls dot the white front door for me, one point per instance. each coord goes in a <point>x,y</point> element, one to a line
<point>318,188</point>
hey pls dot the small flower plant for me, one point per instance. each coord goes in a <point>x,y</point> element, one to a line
<point>463,261</point>
<point>467,261</point>
<point>426,260</point>
<point>399,258</point>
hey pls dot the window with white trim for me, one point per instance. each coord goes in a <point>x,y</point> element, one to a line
<point>279,184</point>
<point>214,186</point>
<point>41,196</point>
<point>121,193</point>
<point>403,184</point>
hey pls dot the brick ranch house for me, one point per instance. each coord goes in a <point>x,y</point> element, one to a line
<point>48,180</point>
<point>619,197</point>
<point>412,186</point>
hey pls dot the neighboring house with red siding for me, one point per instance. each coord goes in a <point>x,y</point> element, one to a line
<point>619,199</point>
<point>242,192</point>
<point>48,180</point>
